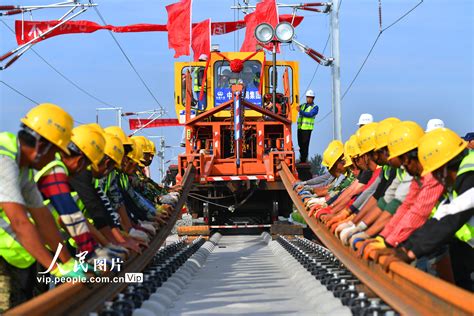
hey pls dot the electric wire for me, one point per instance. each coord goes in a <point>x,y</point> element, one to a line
<point>129,61</point>
<point>19,92</point>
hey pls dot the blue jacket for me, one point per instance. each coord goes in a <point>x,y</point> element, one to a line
<point>312,113</point>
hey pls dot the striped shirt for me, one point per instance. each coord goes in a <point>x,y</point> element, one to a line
<point>414,211</point>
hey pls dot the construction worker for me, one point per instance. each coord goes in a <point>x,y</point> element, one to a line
<point>443,153</point>
<point>86,147</point>
<point>434,124</point>
<point>45,130</point>
<point>307,112</point>
<point>469,138</point>
<point>423,195</point>
<point>249,78</point>
<point>365,119</point>
<point>198,77</point>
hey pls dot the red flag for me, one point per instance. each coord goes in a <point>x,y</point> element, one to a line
<point>266,11</point>
<point>201,42</point>
<point>179,27</point>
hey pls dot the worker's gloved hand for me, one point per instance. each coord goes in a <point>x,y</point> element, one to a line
<point>138,234</point>
<point>313,209</point>
<point>342,227</point>
<point>399,254</point>
<point>347,233</point>
<point>321,213</point>
<point>148,226</point>
<point>338,217</point>
<point>357,239</point>
<point>131,244</point>
<point>119,250</point>
<point>336,224</point>
<point>378,244</point>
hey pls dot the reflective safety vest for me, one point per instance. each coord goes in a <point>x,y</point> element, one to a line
<point>466,232</point>
<point>10,248</point>
<point>306,123</point>
<point>198,77</point>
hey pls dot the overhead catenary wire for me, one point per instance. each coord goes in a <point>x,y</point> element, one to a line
<point>129,61</point>
<point>61,74</point>
<point>381,31</point>
<point>19,92</point>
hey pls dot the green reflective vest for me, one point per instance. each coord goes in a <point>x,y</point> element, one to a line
<point>198,77</point>
<point>10,248</point>
<point>306,123</point>
<point>466,232</point>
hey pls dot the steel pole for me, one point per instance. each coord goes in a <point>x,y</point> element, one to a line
<point>336,74</point>
<point>274,76</point>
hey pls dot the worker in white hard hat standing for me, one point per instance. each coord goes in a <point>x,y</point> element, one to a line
<point>365,119</point>
<point>198,76</point>
<point>434,124</point>
<point>307,113</point>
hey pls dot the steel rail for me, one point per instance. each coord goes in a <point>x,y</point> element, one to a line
<point>80,298</point>
<point>408,290</point>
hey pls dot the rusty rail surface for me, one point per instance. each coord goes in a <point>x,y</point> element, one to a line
<point>80,298</point>
<point>408,290</point>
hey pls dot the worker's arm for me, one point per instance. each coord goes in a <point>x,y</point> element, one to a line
<point>49,231</point>
<point>97,235</point>
<point>314,111</point>
<point>379,224</point>
<point>366,210</point>
<point>26,232</point>
<point>125,221</point>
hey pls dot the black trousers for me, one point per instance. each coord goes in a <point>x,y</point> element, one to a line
<point>304,136</point>
<point>17,285</point>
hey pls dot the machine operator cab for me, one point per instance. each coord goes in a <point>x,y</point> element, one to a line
<point>228,69</point>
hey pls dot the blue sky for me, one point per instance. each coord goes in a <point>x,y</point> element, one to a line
<point>421,68</point>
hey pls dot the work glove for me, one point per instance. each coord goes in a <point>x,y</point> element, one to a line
<point>342,227</point>
<point>314,201</point>
<point>322,212</point>
<point>119,250</point>
<point>357,239</point>
<point>139,235</point>
<point>378,243</point>
<point>313,209</point>
<point>338,217</point>
<point>397,254</point>
<point>297,184</point>
<point>131,244</point>
<point>347,233</point>
<point>333,227</point>
<point>148,226</point>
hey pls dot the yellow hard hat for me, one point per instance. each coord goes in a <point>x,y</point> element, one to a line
<point>136,154</point>
<point>118,132</point>
<point>90,142</point>
<point>114,148</point>
<point>51,122</point>
<point>149,146</point>
<point>352,147</point>
<point>366,137</point>
<point>404,137</point>
<point>142,142</point>
<point>438,147</point>
<point>96,127</point>
<point>347,157</point>
<point>382,131</point>
<point>333,152</point>
<point>152,147</point>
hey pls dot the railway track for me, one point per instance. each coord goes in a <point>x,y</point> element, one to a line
<point>257,275</point>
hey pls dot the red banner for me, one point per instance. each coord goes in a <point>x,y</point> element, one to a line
<point>33,29</point>
<point>149,123</point>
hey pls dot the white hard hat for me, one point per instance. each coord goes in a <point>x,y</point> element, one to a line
<point>365,118</point>
<point>434,124</point>
<point>203,57</point>
<point>310,93</point>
